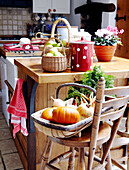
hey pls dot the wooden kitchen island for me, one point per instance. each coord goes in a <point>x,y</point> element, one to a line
<point>42,85</point>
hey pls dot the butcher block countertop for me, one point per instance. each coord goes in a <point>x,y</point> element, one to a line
<point>119,67</point>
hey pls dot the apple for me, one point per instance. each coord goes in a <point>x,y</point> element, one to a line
<point>53,49</point>
<point>49,54</point>
<point>65,42</point>
<point>50,42</point>
<point>49,46</point>
<point>56,45</point>
<point>58,54</point>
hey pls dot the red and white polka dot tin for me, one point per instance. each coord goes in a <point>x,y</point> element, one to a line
<point>82,55</point>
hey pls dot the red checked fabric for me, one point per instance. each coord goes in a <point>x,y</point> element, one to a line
<point>18,111</point>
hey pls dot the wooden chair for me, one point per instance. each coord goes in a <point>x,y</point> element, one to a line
<point>123,140</point>
<point>100,133</point>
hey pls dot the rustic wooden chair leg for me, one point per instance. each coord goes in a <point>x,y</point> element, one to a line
<point>81,159</point>
<point>46,154</point>
<point>71,159</point>
<point>109,143</point>
<point>127,122</point>
<point>125,153</point>
<point>128,158</point>
<point>109,162</point>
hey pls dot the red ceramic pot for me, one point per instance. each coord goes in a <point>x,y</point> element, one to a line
<point>82,55</point>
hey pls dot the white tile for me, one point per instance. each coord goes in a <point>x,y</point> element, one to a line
<point>10,27</point>
<point>14,27</point>
<point>14,17</point>
<point>4,27</point>
<point>10,32</point>
<point>5,17</point>
<point>14,22</point>
<point>10,22</point>
<point>4,21</point>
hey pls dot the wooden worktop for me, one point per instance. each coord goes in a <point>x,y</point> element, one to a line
<point>119,67</point>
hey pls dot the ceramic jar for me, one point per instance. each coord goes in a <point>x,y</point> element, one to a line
<point>82,55</point>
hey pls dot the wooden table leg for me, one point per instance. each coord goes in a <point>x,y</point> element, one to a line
<point>31,138</point>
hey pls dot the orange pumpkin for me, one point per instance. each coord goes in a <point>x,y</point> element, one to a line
<point>47,113</point>
<point>65,115</point>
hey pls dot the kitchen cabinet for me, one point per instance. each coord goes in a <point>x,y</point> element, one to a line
<point>52,6</point>
<point>15,3</point>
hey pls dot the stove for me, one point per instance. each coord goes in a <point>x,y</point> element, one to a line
<point>20,53</point>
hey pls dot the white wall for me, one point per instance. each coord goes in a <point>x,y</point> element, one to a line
<point>73,18</point>
<point>107,18</point>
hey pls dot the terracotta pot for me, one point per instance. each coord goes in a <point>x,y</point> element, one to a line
<point>104,53</point>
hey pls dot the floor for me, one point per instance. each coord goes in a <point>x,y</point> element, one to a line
<point>9,157</point>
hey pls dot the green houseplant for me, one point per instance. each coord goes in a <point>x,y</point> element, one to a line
<point>106,41</point>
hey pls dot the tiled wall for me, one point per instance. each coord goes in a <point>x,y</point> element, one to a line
<point>13,21</point>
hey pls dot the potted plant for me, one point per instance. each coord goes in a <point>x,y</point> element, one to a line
<point>106,41</point>
<point>90,78</point>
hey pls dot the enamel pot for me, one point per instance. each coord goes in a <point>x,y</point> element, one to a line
<point>82,55</point>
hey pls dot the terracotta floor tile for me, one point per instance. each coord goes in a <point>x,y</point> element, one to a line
<point>12,161</point>
<point>5,134</point>
<point>7,146</point>
<point>3,124</point>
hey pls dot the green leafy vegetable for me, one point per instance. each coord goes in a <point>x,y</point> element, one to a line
<point>91,79</point>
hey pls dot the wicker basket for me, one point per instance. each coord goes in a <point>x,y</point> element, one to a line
<point>67,50</point>
<point>54,63</point>
<point>59,130</point>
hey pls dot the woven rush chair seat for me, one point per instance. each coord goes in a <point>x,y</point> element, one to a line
<point>99,133</point>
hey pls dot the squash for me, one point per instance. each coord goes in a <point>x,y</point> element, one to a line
<point>65,115</point>
<point>85,111</point>
<point>47,113</point>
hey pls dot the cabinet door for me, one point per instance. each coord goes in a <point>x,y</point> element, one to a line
<point>122,22</point>
<point>15,3</point>
<point>60,6</point>
<point>41,6</point>
<point>53,6</point>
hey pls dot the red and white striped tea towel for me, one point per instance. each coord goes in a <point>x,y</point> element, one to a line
<point>18,111</point>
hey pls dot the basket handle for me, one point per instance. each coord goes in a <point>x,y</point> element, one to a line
<point>41,34</point>
<point>57,40</point>
<point>67,25</point>
<point>74,84</point>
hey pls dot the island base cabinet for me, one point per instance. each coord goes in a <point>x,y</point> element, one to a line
<point>43,95</point>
